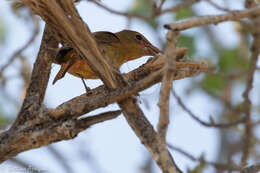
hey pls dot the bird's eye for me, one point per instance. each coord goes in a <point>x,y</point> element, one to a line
<point>138,37</point>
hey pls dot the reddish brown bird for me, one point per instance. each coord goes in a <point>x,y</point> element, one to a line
<point>120,47</point>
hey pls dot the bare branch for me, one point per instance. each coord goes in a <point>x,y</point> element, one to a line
<point>27,167</point>
<point>212,124</point>
<point>217,6</point>
<point>168,69</point>
<point>157,12</point>
<point>218,166</point>
<point>214,19</point>
<point>178,7</point>
<point>39,80</point>
<point>44,133</point>
<point>249,84</point>
<point>59,157</point>
<point>20,50</point>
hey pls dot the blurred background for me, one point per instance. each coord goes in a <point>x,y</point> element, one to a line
<point>112,147</point>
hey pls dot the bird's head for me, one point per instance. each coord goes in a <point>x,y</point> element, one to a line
<point>136,44</point>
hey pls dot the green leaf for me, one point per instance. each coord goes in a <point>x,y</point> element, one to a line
<point>153,23</point>
<point>2,120</point>
<point>230,61</point>
<point>2,30</point>
<point>142,7</point>
<point>227,60</point>
<point>213,84</point>
<point>188,42</point>
<point>183,13</point>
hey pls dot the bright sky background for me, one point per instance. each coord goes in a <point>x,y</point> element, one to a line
<point>113,144</point>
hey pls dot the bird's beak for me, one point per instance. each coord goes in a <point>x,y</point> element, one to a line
<point>152,50</point>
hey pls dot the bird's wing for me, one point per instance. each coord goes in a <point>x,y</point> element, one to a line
<point>66,61</point>
<point>104,37</point>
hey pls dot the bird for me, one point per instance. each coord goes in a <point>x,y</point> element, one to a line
<point>119,47</point>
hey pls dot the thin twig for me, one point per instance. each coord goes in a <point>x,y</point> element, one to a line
<point>201,159</point>
<point>27,167</point>
<point>84,123</point>
<point>59,157</point>
<point>157,12</point>
<point>255,168</point>
<point>125,14</point>
<point>217,6</point>
<point>25,46</point>
<point>178,7</point>
<point>160,5</point>
<point>211,124</point>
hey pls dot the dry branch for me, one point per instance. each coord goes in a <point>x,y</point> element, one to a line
<point>206,124</point>
<point>36,135</point>
<point>157,11</point>
<point>39,80</point>
<point>255,49</point>
<point>18,52</point>
<point>214,19</point>
<point>218,166</point>
<point>168,69</point>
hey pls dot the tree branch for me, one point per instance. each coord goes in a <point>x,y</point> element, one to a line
<point>218,166</point>
<point>249,84</point>
<point>214,19</point>
<point>168,69</point>
<point>206,124</point>
<point>44,133</point>
<point>39,80</point>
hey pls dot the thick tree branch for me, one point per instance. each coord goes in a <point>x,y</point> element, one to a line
<point>39,80</point>
<point>16,141</point>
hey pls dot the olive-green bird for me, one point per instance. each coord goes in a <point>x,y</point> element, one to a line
<point>120,47</point>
